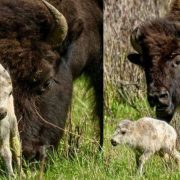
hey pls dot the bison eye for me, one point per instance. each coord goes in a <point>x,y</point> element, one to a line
<point>48,83</point>
<point>176,61</point>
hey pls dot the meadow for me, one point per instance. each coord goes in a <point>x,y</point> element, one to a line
<point>80,159</point>
<point>83,161</point>
<point>121,159</point>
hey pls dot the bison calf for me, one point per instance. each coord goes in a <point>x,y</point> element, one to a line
<point>8,123</point>
<point>147,136</point>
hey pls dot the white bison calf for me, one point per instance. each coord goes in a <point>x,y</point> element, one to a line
<point>8,123</point>
<point>147,136</point>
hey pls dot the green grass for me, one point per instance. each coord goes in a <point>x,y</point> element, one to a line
<point>114,162</point>
<point>121,158</point>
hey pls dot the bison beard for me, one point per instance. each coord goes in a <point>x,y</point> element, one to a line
<point>36,64</point>
<point>158,46</point>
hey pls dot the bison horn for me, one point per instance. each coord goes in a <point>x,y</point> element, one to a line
<point>135,40</point>
<point>59,33</point>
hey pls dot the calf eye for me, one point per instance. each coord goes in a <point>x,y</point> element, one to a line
<point>10,93</point>
<point>123,132</point>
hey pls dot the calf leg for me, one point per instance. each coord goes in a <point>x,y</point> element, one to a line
<point>16,146</point>
<point>176,156</point>
<point>143,158</point>
<point>7,156</point>
<point>166,157</point>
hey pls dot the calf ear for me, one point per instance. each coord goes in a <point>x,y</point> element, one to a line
<point>135,58</point>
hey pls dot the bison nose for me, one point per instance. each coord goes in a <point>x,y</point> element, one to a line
<point>3,113</point>
<point>163,98</point>
<point>160,98</point>
<point>152,100</point>
<point>113,142</point>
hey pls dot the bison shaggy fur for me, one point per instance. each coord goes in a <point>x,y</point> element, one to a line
<point>42,74</point>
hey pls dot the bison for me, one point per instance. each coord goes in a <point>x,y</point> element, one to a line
<point>157,43</point>
<point>45,46</point>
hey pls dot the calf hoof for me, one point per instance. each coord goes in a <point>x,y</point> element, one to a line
<point>12,176</point>
<point>140,173</point>
<point>23,175</point>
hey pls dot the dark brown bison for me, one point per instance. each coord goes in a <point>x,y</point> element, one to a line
<point>45,49</point>
<point>158,45</point>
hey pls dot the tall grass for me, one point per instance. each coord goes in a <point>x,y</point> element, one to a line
<point>114,163</point>
<point>85,162</point>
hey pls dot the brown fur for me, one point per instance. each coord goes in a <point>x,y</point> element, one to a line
<point>174,13</point>
<point>32,61</point>
<point>159,41</point>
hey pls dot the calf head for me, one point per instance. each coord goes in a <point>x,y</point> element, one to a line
<point>5,91</point>
<point>158,54</point>
<point>122,133</point>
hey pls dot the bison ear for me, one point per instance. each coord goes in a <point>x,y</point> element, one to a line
<point>76,29</point>
<point>135,58</point>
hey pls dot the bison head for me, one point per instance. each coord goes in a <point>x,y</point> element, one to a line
<point>30,31</point>
<point>158,53</point>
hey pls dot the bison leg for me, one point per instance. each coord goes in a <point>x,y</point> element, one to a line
<point>96,75</point>
<point>99,111</point>
<point>42,151</point>
<point>42,157</point>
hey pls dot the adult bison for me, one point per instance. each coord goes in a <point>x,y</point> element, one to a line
<point>158,45</point>
<point>45,49</point>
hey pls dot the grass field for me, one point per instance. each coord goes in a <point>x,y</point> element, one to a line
<point>122,163</point>
<point>114,162</point>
